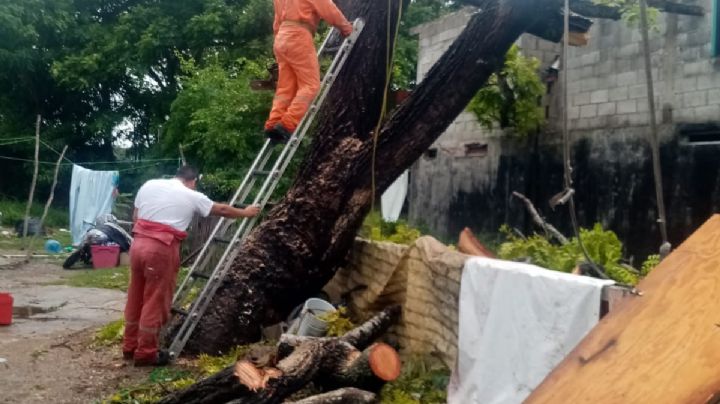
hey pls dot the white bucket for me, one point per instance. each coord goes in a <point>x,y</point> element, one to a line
<point>309,323</point>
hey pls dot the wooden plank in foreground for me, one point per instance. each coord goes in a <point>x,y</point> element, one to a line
<point>663,347</point>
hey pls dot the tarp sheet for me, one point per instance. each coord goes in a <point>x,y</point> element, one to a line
<point>91,195</point>
<point>517,322</point>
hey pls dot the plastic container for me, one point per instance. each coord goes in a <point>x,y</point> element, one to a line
<point>105,256</point>
<point>6,308</point>
<point>309,324</point>
<point>53,247</point>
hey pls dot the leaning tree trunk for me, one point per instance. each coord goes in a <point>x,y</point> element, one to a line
<point>307,236</point>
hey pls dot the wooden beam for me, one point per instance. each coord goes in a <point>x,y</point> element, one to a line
<point>662,347</point>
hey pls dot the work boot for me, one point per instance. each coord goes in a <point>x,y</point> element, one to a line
<point>281,135</point>
<point>128,356</point>
<point>162,359</point>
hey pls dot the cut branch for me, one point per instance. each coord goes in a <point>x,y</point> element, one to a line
<point>330,362</point>
<point>349,395</point>
<point>539,221</point>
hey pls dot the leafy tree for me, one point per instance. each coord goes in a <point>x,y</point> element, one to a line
<point>218,119</point>
<point>511,98</point>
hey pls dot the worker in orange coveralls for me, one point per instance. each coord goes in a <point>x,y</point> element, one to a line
<point>163,211</point>
<point>299,77</point>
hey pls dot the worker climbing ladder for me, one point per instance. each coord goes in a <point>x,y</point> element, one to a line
<point>217,254</point>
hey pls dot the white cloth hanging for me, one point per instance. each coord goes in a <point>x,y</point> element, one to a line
<point>91,195</point>
<point>392,200</point>
<point>517,322</point>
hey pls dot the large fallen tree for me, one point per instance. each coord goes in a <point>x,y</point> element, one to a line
<point>306,237</point>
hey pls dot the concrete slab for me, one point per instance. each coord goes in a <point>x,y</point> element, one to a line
<point>47,310</point>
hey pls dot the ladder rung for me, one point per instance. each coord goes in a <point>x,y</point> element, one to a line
<point>200,275</point>
<point>261,172</point>
<point>221,240</point>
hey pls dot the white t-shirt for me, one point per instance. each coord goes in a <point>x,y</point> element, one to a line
<point>170,202</point>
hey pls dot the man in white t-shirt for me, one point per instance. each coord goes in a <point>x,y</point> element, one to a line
<point>164,209</point>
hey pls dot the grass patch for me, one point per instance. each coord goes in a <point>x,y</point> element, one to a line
<point>158,384</point>
<point>110,334</point>
<point>114,278</point>
<point>423,380</point>
<point>13,211</point>
<point>163,381</point>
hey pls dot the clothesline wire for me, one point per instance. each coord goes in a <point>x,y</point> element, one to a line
<point>88,162</point>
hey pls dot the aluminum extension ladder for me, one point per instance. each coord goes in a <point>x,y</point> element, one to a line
<point>217,254</point>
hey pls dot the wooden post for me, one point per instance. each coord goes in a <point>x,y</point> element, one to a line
<point>50,199</point>
<point>34,178</point>
<point>654,143</point>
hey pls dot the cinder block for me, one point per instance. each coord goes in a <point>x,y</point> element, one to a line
<point>637,91</point>
<point>686,84</point>
<point>588,111</point>
<point>714,97</point>
<point>707,113</point>
<point>599,96</point>
<point>590,58</point>
<point>626,107</point>
<point>581,99</point>
<point>709,81</point>
<point>602,69</point>
<point>618,94</point>
<point>694,99</point>
<point>697,68</point>
<point>589,84</point>
<point>629,50</point>
<point>607,108</point>
<point>627,78</point>
<point>573,112</point>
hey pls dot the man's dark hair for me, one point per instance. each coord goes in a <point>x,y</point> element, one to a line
<point>187,173</point>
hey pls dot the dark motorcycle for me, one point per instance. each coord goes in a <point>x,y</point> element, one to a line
<point>106,230</point>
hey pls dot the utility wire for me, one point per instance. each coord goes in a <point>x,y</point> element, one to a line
<point>566,145</point>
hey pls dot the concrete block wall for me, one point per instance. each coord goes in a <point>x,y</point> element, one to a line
<point>607,81</point>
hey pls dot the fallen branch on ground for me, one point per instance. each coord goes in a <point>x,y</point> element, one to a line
<point>353,360</point>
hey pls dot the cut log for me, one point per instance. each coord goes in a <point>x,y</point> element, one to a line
<point>369,369</point>
<point>470,245</point>
<point>329,362</point>
<point>349,395</point>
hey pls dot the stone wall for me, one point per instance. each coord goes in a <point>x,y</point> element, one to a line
<point>424,278</point>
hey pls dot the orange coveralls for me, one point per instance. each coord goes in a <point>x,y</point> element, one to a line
<point>154,264</point>
<point>299,72</point>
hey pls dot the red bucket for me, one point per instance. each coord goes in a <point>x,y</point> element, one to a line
<point>6,308</point>
<point>105,256</point>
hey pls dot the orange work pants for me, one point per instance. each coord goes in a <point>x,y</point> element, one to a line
<point>298,76</point>
<point>153,270</point>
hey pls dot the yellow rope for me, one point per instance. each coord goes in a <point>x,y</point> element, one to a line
<point>389,61</point>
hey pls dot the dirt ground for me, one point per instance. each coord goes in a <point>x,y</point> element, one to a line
<point>45,355</point>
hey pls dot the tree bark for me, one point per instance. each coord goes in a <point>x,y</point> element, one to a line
<point>307,236</point>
